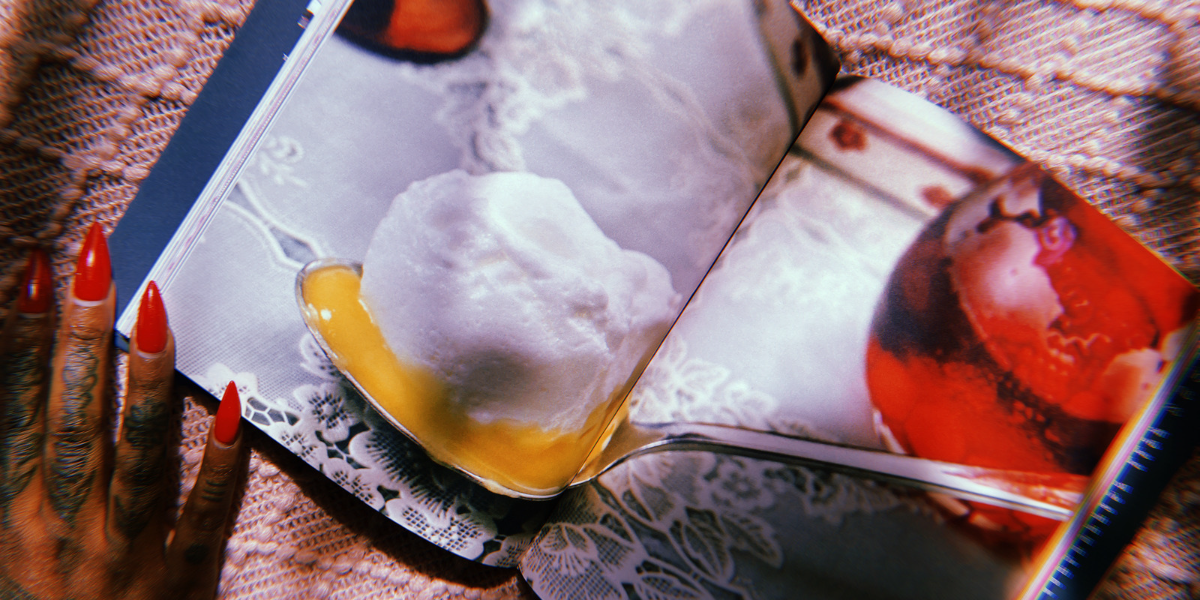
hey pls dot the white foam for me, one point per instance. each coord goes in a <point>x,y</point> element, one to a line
<point>504,287</point>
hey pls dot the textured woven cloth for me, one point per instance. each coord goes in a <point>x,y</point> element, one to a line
<point>1105,93</point>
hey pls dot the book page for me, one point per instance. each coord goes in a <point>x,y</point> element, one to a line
<point>903,284</point>
<point>526,218</point>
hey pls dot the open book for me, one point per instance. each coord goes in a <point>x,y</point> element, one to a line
<point>668,213</point>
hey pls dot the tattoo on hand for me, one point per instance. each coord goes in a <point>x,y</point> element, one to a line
<point>144,431</point>
<point>24,372</point>
<point>19,438</point>
<point>69,480</point>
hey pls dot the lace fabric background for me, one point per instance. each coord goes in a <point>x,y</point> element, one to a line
<point>1105,93</point>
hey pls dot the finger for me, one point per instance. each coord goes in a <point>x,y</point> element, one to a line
<point>136,495</point>
<point>24,365</point>
<point>74,446</point>
<point>194,556</point>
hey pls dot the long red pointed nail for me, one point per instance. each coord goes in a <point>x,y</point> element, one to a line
<point>93,272</point>
<point>229,416</point>
<point>151,321</point>
<point>37,288</point>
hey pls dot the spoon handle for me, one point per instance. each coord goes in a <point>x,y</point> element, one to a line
<point>1050,495</point>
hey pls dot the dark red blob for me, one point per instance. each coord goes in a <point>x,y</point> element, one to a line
<point>849,135</point>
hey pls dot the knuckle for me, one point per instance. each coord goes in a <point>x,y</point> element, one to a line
<point>152,387</point>
<point>210,521</point>
<point>72,462</point>
<point>74,428</point>
<point>85,333</point>
<point>132,512</point>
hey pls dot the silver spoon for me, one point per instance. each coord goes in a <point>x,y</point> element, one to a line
<point>1029,492</point>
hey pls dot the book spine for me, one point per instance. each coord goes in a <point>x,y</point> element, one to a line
<point>1127,485</point>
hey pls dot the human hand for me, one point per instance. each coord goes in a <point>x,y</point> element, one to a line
<point>80,516</point>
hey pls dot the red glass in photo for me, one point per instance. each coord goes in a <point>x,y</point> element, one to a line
<point>1020,331</point>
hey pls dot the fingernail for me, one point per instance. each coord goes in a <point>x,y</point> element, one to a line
<point>93,272</point>
<point>229,416</point>
<point>37,288</point>
<point>151,322</point>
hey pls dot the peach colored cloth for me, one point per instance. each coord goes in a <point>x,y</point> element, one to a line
<point>1105,93</point>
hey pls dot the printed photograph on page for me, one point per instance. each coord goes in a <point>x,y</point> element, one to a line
<point>476,233</point>
<point>904,284</point>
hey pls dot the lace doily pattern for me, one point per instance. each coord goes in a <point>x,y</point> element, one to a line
<point>696,525</point>
<point>329,426</point>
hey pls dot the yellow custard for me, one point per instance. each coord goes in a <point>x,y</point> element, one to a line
<point>505,455</point>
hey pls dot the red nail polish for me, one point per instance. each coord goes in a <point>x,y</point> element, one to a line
<point>151,321</point>
<point>37,288</point>
<point>229,416</point>
<point>93,272</point>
